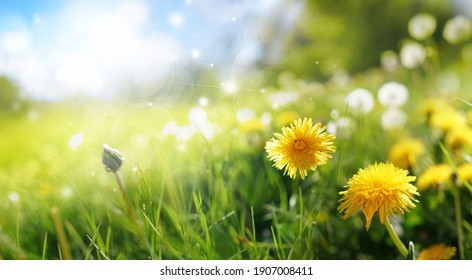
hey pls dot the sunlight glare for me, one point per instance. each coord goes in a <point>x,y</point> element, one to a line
<point>76,140</point>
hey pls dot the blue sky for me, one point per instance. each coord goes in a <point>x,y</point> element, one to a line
<point>56,48</point>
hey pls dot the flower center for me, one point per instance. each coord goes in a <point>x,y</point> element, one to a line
<point>300,145</point>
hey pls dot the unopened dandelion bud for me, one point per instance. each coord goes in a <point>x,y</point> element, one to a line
<point>411,251</point>
<point>111,158</point>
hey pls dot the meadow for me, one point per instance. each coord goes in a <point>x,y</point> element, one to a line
<point>196,182</point>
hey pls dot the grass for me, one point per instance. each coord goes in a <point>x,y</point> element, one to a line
<point>216,198</point>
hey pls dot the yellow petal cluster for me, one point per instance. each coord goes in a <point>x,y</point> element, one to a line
<point>382,188</point>
<point>405,152</point>
<point>464,173</point>
<point>437,252</point>
<point>434,176</point>
<point>300,147</point>
<point>459,137</point>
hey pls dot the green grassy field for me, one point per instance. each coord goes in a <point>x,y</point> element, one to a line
<point>208,197</point>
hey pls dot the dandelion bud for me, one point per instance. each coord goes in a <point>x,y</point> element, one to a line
<point>411,251</point>
<point>111,158</point>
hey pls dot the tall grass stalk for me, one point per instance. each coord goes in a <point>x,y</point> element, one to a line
<point>61,235</point>
<point>458,214</point>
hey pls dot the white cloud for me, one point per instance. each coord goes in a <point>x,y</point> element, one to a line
<point>89,50</point>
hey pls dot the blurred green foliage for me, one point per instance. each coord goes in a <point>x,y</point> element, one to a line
<point>8,94</point>
<point>350,35</point>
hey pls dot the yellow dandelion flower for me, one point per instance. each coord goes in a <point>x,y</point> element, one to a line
<point>432,105</point>
<point>459,137</point>
<point>464,173</point>
<point>300,147</point>
<point>447,119</point>
<point>380,187</point>
<point>45,189</point>
<point>434,175</point>
<point>405,152</point>
<point>252,125</point>
<point>286,117</point>
<point>437,252</point>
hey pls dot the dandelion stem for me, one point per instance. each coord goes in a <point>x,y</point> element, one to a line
<point>129,208</point>
<point>460,235</point>
<point>396,240</point>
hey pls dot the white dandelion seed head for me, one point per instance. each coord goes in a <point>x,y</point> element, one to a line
<point>198,122</point>
<point>422,26</point>
<point>393,119</point>
<point>332,127</point>
<point>266,119</point>
<point>334,114</point>
<point>243,115</point>
<point>393,94</point>
<point>280,99</point>
<point>340,77</point>
<point>389,60</point>
<point>343,127</point>
<point>345,122</point>
<point>457,29</point>
<point>360,101</point>
<point>412,55</point>
<point>13,197</point>
<point>182,133</point>
<point>198,119</point>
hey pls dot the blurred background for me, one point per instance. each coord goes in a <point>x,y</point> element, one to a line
<point>136,51</point>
